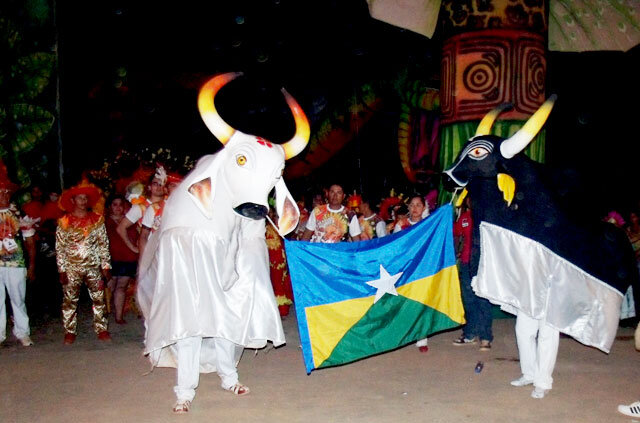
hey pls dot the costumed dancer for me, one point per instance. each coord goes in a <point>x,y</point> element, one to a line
<point>371,225</point>
<point>13,269</point>
<point>532,259</point>
<point>139,205</point>
<point>82,254</point>
<point>278,269</point>
<point>204,284</point>
<point>153,215</point>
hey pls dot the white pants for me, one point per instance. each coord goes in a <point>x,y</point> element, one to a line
<point>537,356</point>
<point>188,371</point>
<point>14,280</point>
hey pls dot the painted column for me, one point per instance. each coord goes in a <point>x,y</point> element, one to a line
<point>494,51</point>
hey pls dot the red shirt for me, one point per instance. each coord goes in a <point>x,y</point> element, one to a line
<point>51,211</point>
<point>33,209</point>
<point>118,249</point>
<point>464,228</point>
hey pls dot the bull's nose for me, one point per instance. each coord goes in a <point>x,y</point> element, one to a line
<point>252,211</point>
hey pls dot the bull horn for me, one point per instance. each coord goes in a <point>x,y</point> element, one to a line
<point>519,141</point>
<point>218,127</point>
<point>484,128</point>
<point>300,139</point>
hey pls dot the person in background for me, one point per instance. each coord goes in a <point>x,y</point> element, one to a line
<point>14,269</point>
<point>124,262</point>
<point>302,221</point>
<point>153,215</point>
<point>332,222</point>
<point>417,211</point>
<point>633,232</point>
<point>278,269</point>
<point>477,310</point>
<point>139,205</point>
<point>35,205</point>
<point>46,270</point>
<point>82,255</point>
<point>36,295</point>
<point>371,225</point>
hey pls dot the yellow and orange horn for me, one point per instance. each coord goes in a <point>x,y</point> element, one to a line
<point>218,127</point>
<point>484,128</point>
<point>519,141</point>
<point>300,139</point>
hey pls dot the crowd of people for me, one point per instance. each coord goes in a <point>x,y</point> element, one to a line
<point>96,241</point>
<point>84,239</point>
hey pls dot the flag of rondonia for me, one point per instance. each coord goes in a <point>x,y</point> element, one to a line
<point>354,300</point>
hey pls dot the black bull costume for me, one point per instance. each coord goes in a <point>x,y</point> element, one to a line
<point>528,255</point>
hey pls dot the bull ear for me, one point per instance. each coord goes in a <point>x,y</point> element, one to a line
<point>519,141</point>
<point>201,194</point>
<point>507,185</point>
<point>286,208</point>
<point>484,128</point>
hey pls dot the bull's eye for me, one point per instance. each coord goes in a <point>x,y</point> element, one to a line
<point>478,153</point>
<point>241,160</point>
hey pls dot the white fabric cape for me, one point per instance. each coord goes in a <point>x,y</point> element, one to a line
<point>522,275</point>
<point>206,277</point>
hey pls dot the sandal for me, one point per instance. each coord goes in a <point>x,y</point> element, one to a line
<point>239,389</point>
<point>182,406</point>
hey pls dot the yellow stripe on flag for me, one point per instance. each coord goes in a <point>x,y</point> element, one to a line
<point>328,323</point>
<point>440,292</point>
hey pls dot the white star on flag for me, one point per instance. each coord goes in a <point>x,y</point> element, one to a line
<point>386,284</point>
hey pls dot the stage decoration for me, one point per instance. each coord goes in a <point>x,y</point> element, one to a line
<point>335,132</point>
<point>593,25</point>
<point>493,53</point>
<point>420,16</point>
<point>482,69</point>
<point>354,200</point>
<point>387,204</point>
<point>528,254</point>
<point>129,165</point>
<point>574,25</point>
<point>418,141</point>
<point>24,121</point>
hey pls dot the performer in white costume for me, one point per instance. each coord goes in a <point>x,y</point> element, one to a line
<point>204,283</point>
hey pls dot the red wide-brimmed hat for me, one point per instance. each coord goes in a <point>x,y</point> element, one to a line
<point>5,182</point>
<point>92,192</point>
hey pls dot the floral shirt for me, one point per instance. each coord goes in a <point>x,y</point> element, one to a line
<point>11,227</point>
<point>372,227</point>
<point>332,225</point>
<point>153,216</point>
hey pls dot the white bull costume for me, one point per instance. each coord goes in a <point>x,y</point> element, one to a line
<point>205,272</point>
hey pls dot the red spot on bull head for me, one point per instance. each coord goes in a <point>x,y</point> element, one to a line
<point>264,142</point>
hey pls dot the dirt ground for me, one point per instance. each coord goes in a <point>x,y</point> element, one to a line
<point>92,381</point>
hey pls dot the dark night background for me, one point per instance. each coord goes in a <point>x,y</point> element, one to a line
<point>130,72</point>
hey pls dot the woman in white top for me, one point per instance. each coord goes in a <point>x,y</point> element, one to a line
<point>417,211</point>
